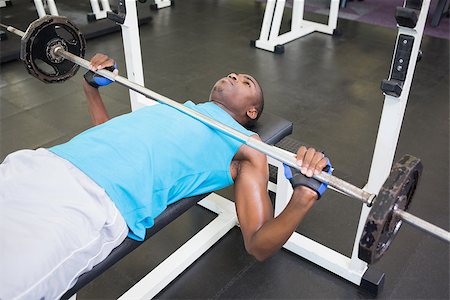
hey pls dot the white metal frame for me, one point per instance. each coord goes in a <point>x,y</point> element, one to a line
<point>50,4</point>
<point>133,57</point>
<point>392,117</point>
<point>162,3</point>
<point>350,268</point>
<point>270,30</point>
<point>100,13</point>
<point>4,3</point>
<point>394,109</point>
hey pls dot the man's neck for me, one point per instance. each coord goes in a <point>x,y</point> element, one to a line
<point>230,112</point>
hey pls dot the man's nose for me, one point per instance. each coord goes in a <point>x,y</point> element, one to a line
<point>233,76</point>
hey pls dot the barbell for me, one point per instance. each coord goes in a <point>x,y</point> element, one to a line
<point>53,48</point>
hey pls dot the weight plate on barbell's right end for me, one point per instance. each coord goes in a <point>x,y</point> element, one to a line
<point>382,224</point>
<point>38,44</point>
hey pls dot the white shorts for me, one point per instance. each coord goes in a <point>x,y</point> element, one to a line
<point>55,224</point>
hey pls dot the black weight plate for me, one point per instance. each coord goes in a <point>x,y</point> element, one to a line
<point>382,225</point>
<point>39,41</point>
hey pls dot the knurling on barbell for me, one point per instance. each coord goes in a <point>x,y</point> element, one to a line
<point>53,48</point>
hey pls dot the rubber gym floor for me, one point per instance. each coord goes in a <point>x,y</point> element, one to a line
<point>327,85</point>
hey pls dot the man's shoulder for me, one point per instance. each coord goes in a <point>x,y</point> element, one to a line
<point>247,153</point>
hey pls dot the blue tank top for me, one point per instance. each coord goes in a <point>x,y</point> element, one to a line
<point>152,157</point>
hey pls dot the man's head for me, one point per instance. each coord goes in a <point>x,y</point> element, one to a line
<point>241,96</point>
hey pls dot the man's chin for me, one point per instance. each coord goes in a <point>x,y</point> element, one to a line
<point>217,90</point>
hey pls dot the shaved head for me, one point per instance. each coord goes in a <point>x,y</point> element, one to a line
<point>241,96</point>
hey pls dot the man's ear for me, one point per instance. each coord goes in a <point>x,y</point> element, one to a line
<point>252,113</point>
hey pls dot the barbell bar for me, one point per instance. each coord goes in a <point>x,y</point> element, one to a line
<point>42,42</point>
<point>422,224</point>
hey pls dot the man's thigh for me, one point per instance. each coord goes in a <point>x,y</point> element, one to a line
<point>55,224</point>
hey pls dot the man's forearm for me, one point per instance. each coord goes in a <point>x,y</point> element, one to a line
<point>274,233</point>
<point>96,107</point>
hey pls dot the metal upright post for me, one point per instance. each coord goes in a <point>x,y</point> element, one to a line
<point>396,91</point>
<point>133,58</point>
<point>41,9</point>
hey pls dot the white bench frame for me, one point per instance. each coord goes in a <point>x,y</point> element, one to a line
<point>97,12</point>
<point>4,3</point>
<point>50,4</point>
<point>162,3</point>
<point>270,36</point>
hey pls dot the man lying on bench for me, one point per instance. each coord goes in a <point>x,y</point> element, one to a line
<point>64,209</point>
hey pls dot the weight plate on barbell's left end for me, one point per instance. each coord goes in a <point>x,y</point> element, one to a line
<point>382,224</point>
<point>38,44</point>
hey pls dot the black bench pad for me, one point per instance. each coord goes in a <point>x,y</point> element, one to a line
<point>269,127</point>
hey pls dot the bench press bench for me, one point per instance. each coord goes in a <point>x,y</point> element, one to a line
<point>270,128</point>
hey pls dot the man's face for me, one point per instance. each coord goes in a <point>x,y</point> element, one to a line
<point>237,92</point>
